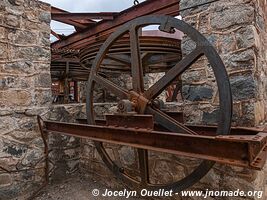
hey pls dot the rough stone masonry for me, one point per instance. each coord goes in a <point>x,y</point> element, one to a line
<point>238,31</point>
<point>236,28</point>
<point>25,91</point>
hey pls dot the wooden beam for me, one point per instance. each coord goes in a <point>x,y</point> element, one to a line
<point>83,16</point>
<point>78,24</point>
<point>148,7</point>
<point>55,34</point>
<point>66,84</point>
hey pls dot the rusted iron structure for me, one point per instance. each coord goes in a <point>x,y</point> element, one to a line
<point>91,34</point>
<point>141,121</point>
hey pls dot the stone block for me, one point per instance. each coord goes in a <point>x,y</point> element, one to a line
<point>42,67</point>
<point>87,151</point>
<point>44,39</point>
<point>240,60</point>
<point>191,3</point>
<point>29,53</point>
<point>16,82</point>
<point>232,16</point>
<point>12,20</point>
<point>197,93</point>
<point>45,17</point>
<point>16,2</point>
<point>164,171</point>
<point>19,67</point>
<point>15,150</point>
<point>5,113</point>
<point>15,10</point>
<point>226,44</point>
<point>127,155</point>
<point>70,154</point>
<point>246,37</point>
<point>43,80</point>
<point>248,115</point>
<point>237,113</point>
<point>15,98</point>
<point>188,45</point>
<point>210,118</point>
<point>3,51</point>
<point>24,136</point>
<point>31,158</point>
<point>193,76</point>
<point>2,6</point>
<point>213,39</point>
<point>7,124</point>
<point>203,24</point>
<point>42,97</point>
<point>260,111</point>
<point>19,37</point>
<point>192,114</point>
<point>35,111</point>
<point>8,163</point>
<point>7,82</point>
<point>5,180</point>
<point>3,34</point>
<point>26,123</point>
<point>243,87</point>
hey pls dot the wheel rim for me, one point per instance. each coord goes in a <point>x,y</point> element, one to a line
<point>203,48</point>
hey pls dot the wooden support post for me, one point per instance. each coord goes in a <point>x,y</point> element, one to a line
<point>76,92</point>
<point>66,84</point>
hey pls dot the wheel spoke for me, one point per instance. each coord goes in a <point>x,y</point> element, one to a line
<point>143,166</point>
<point>168,122</point>
<point>108,85</point>
<point>120,60</point>
<point>174,72</point>
<point>136,61</point>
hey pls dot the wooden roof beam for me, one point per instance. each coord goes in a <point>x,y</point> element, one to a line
<point>78,24</point>
<point>82,16</point>
<point>148,7</point>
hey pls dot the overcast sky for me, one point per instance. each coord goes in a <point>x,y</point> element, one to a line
<point>86,6</point>
<point>92,5</point>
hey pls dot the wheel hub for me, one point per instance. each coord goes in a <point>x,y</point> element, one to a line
<point>139,101</point>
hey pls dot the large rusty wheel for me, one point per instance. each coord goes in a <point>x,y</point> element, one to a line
<point>143,99</point>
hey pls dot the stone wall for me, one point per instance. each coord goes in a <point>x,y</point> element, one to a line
<point>64,151</point>
<point>237,29</point>
<point>24,93</point>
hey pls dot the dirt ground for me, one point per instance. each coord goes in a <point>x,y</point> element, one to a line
<point>76,188</point>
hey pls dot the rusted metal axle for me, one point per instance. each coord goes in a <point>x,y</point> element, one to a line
<point>244,150</point>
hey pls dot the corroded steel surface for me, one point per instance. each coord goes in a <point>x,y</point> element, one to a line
<point>91,33</point>
<point>143,99</point>
<point>249,149</point>
<point>160,54</point>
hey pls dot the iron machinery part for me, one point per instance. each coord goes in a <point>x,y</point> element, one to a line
<point>136,2</point>
<point>144,98</point>
<point>159,54</point>
<point>125,106</point>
